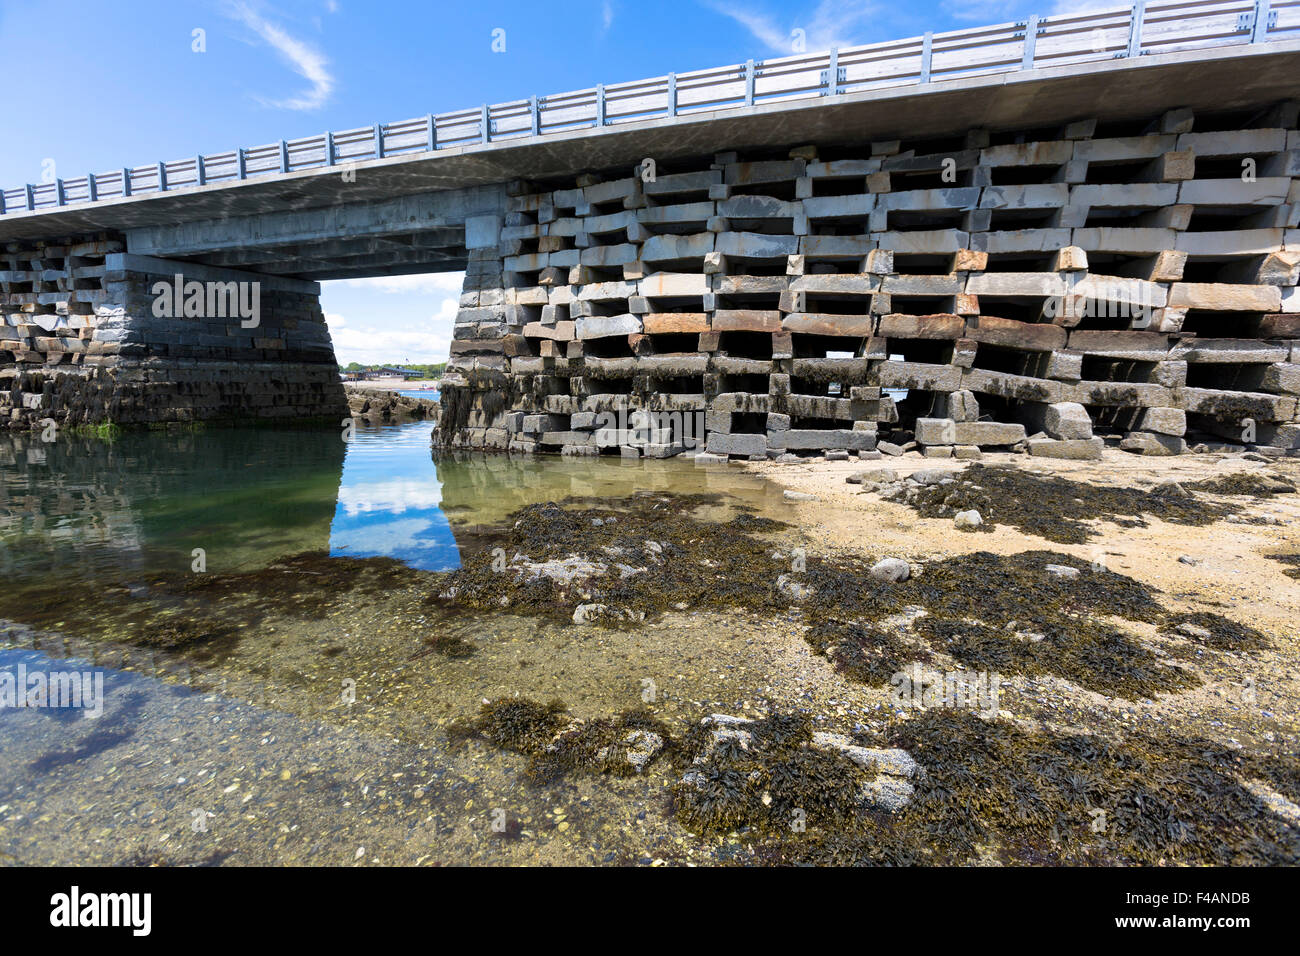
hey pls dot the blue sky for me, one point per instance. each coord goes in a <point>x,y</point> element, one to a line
<point>98,85</point>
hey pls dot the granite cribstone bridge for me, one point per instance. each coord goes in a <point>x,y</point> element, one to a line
<point>1034,235</point>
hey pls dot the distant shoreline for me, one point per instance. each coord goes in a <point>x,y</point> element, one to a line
<point>394,384</point>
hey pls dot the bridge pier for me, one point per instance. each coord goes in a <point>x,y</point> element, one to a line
<point>1046,290</point>
<point>94,335</point>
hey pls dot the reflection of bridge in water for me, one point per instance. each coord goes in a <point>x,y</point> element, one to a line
<point>91,513</point>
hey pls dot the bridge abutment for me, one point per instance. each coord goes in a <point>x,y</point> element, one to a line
<point>1041,290</point>
<point>94,335</point>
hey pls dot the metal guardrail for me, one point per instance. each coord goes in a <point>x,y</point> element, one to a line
<point>1144,28</point>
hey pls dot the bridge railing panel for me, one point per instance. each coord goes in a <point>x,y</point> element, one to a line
<point>1196,25</point>
<point>1164,26</point>
<point>792,77</point>
<point>708,90</point>
<point>567,111</point>
<point>980,52</point>
<point>460,128</point>
<point>1286,25</point>
<point>408,136</point>
<point>262,159</point>
<point>1083,38</point>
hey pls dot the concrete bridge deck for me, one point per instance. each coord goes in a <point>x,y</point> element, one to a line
<point>288,208</point>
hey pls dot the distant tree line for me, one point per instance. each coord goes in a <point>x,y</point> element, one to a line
<point>426,371</point>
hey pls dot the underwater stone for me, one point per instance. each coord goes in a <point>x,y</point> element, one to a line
<point>642,747</point>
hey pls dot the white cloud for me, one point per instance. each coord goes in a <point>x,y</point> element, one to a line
<point>606,16</point>
<point>414,325</point>
<point>833,23</point>
<point>305,60</point>
<point>371,346</point>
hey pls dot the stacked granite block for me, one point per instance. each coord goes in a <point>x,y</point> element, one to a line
<point>1038,290</point>
<point>83,344</point>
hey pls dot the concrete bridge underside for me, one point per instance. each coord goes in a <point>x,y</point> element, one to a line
<point>768,277</point>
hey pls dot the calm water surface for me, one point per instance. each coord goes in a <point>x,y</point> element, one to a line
<point>305,725</point>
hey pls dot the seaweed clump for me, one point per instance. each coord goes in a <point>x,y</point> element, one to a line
<point>766,778</point>
<point>1245,484</point>
<point>1216,631</point>
<point>446,645</point>
<point>1166,799</point>
<point>557,744</point>
<point>635,557</point>
<point>865,653</point>
<point>1053,507</point>
<point>1292,561</point>
<point>994,792</point>
<point>982,790</point>
<point>1003,613</point>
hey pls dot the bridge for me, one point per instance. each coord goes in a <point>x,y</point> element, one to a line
<point>1086,219</point>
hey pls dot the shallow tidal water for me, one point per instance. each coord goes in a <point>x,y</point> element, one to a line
<point>306,724</point>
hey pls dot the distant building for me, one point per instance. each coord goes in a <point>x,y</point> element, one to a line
<point>380,372</point>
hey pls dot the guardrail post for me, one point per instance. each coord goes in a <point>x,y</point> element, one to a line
<point>92,189</point>
<point>431,127</point>
<point>672,94</point>
<point>1135,29</point>
<point>600,104</point>
<point>1259,31</point>
<point>31,198</point>
<point>329,148</point>
<point>485,125</point>
<point>200,175</point>
<point>833,73</point>
<point>241,164</point>
<point>1031,39</point>
<point>534,116</point>
<point>162,177</point>
<point>3,208</point>
<point>284,156</point>
<point>749,82</point>
<point>58,192</point>
<point>379,141</point>
<point>927,55</point>
<point>126,182</point>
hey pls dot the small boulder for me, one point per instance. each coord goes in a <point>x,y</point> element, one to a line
<point>589,613</point>
<point>893,570</point>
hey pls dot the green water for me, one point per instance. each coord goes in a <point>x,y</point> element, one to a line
<point>302,724</point>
